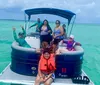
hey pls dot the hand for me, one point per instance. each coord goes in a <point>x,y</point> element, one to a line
<point>42,30</point>
<point>13,29</point>
<point>55,36</point>
<point>38,50</point>
<point>61,41</point>
<point>41,80</point>
<point>45,79</point>
<point>49,31</point>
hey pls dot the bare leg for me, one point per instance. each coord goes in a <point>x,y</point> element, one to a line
<point>58,51</point>
<point>37,80</point>
<point>61,50</point>
<point>54,48</point>
<point>38,50</point>
<point>49,81</point>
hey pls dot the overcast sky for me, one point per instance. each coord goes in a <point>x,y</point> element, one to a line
<point>87,11</point>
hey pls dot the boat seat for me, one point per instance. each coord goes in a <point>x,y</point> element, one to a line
<point>78,49</point>
<point>81,80</point>
<point>34,42</point>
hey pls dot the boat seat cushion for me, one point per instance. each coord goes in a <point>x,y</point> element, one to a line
<point>34,42</point>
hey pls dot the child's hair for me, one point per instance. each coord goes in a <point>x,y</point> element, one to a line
<point>46,50</point>
<point>44,44</point>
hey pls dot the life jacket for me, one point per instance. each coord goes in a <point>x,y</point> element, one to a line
<point>47,65</point>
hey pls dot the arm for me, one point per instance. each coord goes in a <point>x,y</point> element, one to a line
<point>53,35</point>
<point>39,72</point>
<point>14,34</point>
<point>23,30</point>
<point>49,30</point>
<point>48,77</point>
<point>77,43</point>
<point>64,41</point>
<point>33,25</point>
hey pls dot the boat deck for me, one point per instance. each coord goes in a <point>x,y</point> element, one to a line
<point>8,76</point>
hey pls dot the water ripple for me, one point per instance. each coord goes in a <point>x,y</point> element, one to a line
<point>5,41</point>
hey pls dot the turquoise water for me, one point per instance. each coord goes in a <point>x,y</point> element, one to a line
<point>87,34</point>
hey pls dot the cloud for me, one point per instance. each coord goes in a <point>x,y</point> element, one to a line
<point>78,11</point>
<point>64,4</point>
<point>84,9</point>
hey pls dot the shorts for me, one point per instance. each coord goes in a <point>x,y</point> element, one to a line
<point>56,41</point>
<point>53,76</point>
<point>46,38</point>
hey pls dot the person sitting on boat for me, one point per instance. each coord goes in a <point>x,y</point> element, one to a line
<point>57,34</point>
<point>64,28</point>
<point>45,45</point>
<point>46,68</point>
<point>37,24</point>
<point>70,44</point>
<point>21,40</point>
<point>45,32</point>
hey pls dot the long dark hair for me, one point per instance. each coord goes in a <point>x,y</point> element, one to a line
<point>64,27</point>
<point>57,21</point>
<point>48,26</point>
<point>46,21</point>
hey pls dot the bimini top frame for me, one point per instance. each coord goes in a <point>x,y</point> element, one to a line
<point>63,13</point>
<point>59,12</point>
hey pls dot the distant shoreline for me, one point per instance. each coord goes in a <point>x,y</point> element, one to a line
<point>16,20</point>
<point>12,19</point>
<point>34,21</point>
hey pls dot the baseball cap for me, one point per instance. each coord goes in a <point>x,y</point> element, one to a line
<point>71,36</point>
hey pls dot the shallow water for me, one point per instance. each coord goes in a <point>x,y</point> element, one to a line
<point>87,34</point>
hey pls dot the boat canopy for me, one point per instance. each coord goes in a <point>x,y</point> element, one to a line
<point>63,13</point>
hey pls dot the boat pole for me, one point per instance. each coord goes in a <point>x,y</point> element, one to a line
<point>72,25</point>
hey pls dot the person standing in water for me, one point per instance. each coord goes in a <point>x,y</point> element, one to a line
<point>37,24</point>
